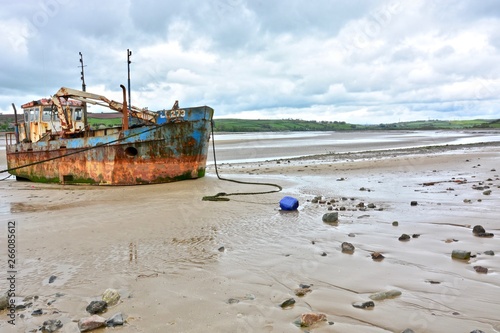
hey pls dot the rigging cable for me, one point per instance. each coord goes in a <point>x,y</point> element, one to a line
<point>221,196</point>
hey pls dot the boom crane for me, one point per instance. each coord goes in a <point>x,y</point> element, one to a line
<point>94,99</point>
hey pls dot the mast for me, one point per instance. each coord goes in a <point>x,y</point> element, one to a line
<point>83,89</point>
<point>129,53</point>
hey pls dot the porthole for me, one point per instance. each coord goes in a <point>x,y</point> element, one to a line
<point>131,151</point>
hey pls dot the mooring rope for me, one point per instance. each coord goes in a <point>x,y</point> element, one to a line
<point>221,196</point>
<point>218,197</point>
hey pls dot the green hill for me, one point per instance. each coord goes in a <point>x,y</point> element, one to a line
<point>267,125</point>
<point>280,125</point>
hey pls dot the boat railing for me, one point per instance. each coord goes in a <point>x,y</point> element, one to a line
<point>10,138</point>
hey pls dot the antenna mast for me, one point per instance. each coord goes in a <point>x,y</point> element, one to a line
<point>129,53</point>
<point>84,87</point>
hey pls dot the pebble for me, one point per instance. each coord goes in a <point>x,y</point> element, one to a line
<point>408,330</point>
<point>91,323</point>
<point>233,301</point>
<point>404,237</point>
<point>478,229</point>
<point>451,240</point>
<point>489,253</point>
<point>23,306</point>
<point>459,254</point>
<point>481,269</point>
<point>37,312</point>
<point>395,223</point>
<point>364,305</point>
<point>96,307</point>
<point>288,303</point>
<point>111,296</point>
<point>413,203</point>
<point>433,282</point>
<point>347,248</point>
<point>377,256</point>
<point>52,278</point>
<point>309,319</point>
<point>385,295</point>
<point>302,291</point>
<point>51,325</point>
<point>115,320</point>
<point>249,297</point>
<point>487,192</point>
<point>331,217</point>
<point>477,331</point>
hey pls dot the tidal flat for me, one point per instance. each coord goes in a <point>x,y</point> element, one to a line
<point>182,264</point>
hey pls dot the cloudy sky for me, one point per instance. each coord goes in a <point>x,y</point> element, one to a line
<point>345,60</point>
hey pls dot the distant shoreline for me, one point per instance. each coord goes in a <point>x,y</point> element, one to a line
<point>432,149</point>
<point>227,125</point>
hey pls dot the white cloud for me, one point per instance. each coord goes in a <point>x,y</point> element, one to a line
<point>355,61</point>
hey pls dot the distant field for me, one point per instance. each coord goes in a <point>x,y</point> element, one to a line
<point>243,125</point>
<point>280,125</point>
<point>99,122</point>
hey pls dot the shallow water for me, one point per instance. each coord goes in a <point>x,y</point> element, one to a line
<point>251,147</point>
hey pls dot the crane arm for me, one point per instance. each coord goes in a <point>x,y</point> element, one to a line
<point>94,99</point>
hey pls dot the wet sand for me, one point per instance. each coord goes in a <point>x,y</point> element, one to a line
<point>178,260</point>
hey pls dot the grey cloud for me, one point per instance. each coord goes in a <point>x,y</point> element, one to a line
<point>333,58</point>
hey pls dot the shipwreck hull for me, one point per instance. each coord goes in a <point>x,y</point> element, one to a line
<point>170,151</point>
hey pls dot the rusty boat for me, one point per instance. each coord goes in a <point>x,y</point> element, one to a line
<point>55,143</point>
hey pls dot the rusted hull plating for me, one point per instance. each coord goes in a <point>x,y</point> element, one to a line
<point>172,151</point>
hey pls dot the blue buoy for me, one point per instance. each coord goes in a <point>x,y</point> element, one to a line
<point>289,203</point>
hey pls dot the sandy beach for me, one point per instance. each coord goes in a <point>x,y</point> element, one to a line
<point>186,265</point>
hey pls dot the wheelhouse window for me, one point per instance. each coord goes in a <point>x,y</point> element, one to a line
<point>55,116</point>
<point>29,114</point>
<point>47,114</point>
<point>35,114</point>
<point>78,114</point>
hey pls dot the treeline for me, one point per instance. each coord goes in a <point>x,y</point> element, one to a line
<point>297,125</point>
<point>279,125</point>
<point>7,122</point>
<point>268,125</point>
